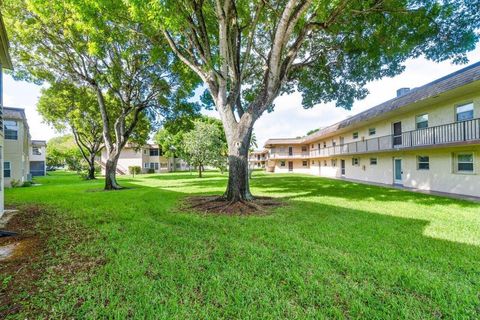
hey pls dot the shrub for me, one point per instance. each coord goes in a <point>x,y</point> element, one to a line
<point>150,170</point>
<point>15,183</point>
<point>133,170</point>
<point>27,183</point>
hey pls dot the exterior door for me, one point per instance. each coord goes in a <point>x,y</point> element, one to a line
<point>397,171</point>
<point>397,133</point>
<point>342,165</point>
<point>290,166</point>
<point>290,151</point>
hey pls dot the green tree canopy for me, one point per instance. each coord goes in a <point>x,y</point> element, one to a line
<point>204,145</point>
<point>249,52</point>
<point>93,43</point>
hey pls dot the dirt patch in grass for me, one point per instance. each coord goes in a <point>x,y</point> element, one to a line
<point>218,205</point>
<point>33,253</point>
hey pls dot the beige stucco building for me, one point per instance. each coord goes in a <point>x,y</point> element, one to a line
<point>426,138</point>
<point>5,63</point>
<point>149,158</point>
<point>16,162</point>
<point>257,159</point>
<point>37,157</point>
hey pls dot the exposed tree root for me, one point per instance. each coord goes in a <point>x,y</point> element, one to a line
<point>219,205</point>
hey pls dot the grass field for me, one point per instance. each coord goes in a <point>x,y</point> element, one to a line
<point>336,250</point>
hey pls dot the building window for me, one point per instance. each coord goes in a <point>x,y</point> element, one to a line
<point>282,163</point>
<point>324,163</point>
<point>334,162</point>
<point>304,148</point>
<point>7,170</point>
<point>305,163</point>
<point>422,121</point>
<point>36,151</point>
<point>355,135</point>
<point>145,151</point>
<point>423,163</point>
<point>372,131</point>
<point>319,146</point>
<point>154,152</point>
<point>145,165</point>
<point>464,162</point>
<point>373,161</point>
<point>324,144</point>
<point>334,143</point>
<point>165,165</point>
<point>313,162</point>
<point>355,161</point>
<point>464,112</point>
<point>154,165</point>
<point>11,129</point>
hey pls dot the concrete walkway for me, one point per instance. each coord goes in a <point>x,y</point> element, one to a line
<point>400,187</point>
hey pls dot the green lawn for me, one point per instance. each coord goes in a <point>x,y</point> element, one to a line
<point>336,250</point>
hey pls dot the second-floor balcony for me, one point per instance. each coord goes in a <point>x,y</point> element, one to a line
<point>289,155</point>
<point>452,133</point>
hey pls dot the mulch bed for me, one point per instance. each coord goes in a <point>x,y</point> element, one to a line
<point>218,205</point>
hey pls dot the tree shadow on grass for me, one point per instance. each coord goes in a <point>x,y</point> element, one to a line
<point>306,260</point>
<point>298,186</point>
<point>307,256</point>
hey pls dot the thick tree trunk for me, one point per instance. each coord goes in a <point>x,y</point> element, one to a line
<point>91,171</point>
<point>111,173</point>
<point>199,171</point>
<point>238,188</point>
<point>91,167</point>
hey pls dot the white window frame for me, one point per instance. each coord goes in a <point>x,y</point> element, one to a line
<point>283,163</point>
<point>373,161</point>
<point>14,127</point>
<point>423,162</point>
<point>418,122</point>
<point>456,162</point>
<point>355,162</point>
<point>458,106</point>
<point>9,169</point>
<point>372,131</point>
<point>355,135</point>
<point>304,163</point>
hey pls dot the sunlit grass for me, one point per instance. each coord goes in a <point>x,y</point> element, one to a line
<point>336,250</point>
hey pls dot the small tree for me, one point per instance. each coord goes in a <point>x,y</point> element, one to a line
<point>133,170</point>
<point>203,145</point>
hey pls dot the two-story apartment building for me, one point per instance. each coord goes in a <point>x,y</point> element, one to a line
<point>149,157</point>
<point>426,138</point>
<point>258,159</point>
<point>37,156</point>
<point>5,63</point>
<point>16,163</point>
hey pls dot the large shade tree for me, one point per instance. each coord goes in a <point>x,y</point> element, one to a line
<point>67,107</point>
<point>91,43</point>
<point>247,52</point>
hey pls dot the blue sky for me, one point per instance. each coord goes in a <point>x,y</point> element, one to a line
<point>289,118</point>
